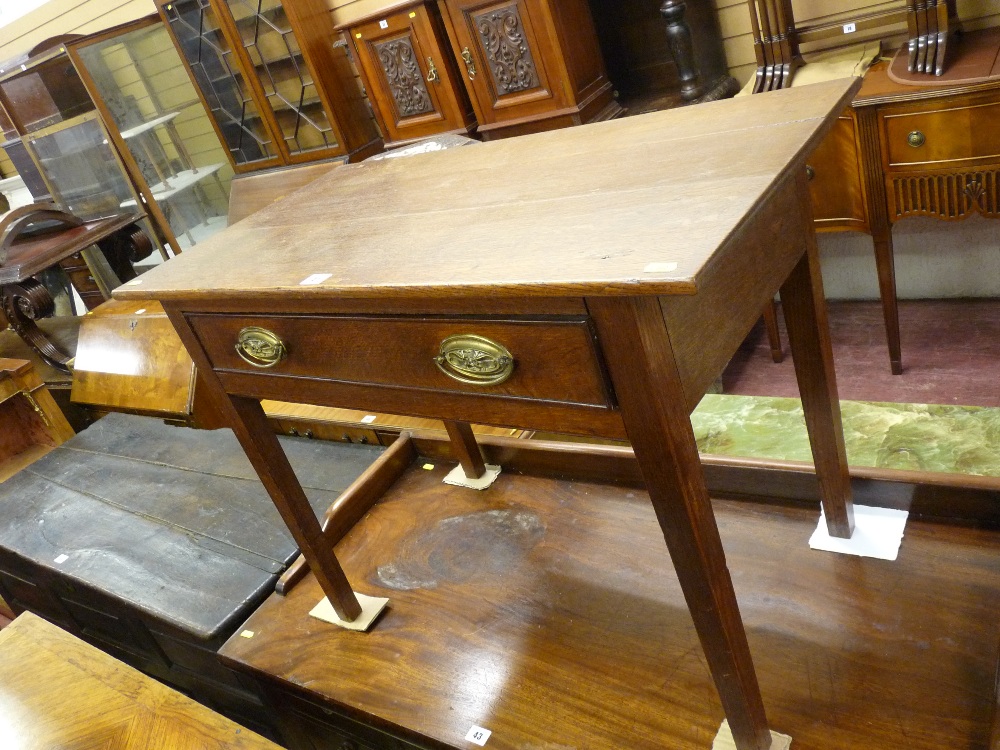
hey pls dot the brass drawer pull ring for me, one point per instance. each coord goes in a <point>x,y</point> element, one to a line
<point>916,139</point>
<point>474,359</point>
<point>260,347</point>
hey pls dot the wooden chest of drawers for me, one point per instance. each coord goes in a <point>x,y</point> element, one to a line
<point>158,570</point>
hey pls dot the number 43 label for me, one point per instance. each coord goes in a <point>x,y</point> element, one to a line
<point>478,735</point>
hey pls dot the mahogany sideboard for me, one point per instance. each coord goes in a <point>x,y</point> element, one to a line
<point>905,150</point>
<point>601,294</point>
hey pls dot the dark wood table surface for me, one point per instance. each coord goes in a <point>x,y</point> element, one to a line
<point>620,264</point>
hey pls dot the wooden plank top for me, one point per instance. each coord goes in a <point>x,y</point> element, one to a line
<point>559,629</point>
<point>583,210</point>
<point>190,538</point>
<point>57,691</point>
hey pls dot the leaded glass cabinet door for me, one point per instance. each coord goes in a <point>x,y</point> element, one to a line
<point>509,57</point>
<point>411,76</point>
<point>266,34</point>
<point>217,68</point>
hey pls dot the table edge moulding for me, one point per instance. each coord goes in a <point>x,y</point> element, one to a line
<point>599,293</point>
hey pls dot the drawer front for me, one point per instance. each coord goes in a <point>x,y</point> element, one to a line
<point>835,184</point>
<point>942,136</point>
<point>554,361</point>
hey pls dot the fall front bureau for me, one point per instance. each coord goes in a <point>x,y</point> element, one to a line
<point>639,251</point>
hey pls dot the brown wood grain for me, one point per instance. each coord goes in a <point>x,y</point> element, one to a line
<point>354,502</point>
<point>463,442</point>
<point>339,349</point>
<point>651,396</point>
<point>252,192</point>
<point>60,692</point>
<point>129,357</point>
<point>804,307</point>
<point>591,230</point>
<point>589,221</point>
<point>418,26</point>
<point>836,186</point>
<point>564,641</point>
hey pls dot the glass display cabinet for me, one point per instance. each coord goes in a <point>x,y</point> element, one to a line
<point>159,127</point>
<point>56,140</point>
<point>278,86</point>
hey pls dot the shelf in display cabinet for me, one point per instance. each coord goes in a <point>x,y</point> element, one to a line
<point>179,182</point>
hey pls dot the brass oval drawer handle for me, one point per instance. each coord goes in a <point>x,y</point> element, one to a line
<point>810,172</point>
<point>474,359</point>
<point>916,139</point>
<point>260,347</point>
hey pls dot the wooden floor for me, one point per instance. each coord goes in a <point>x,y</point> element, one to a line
<point>951,351</point>
<point>549,612</point>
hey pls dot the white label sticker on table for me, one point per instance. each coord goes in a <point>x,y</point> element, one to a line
<point>660,267</point>
<point>383,24</point>
<point>316,278</point>
<point>478,735</point>
<point>850,28</point>
<point>61,559</point>
<point>369,419</point>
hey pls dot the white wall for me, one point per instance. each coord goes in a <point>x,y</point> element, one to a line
<point>933,259</point>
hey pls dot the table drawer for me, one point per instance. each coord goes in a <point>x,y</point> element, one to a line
<point>552,360</point>
<point>943,136</point>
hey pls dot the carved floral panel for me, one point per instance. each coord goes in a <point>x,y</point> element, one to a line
<point>508,56</point>
<point>406,81</point>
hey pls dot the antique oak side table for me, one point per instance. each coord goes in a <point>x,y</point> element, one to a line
<point>593,280</point>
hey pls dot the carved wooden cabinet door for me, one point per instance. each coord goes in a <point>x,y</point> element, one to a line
<point>412,80</point>
<point>509,55</point>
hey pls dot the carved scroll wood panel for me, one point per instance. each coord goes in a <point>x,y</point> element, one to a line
<point>403,76</point>
<point>501,34</point>
<point>506,53</point>
<point>945,196</point>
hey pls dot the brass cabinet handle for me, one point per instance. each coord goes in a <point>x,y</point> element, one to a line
<point>916,139</point>
<point>810,172</point>
<point>474,359</point>
<point>260,347</point>
<point>432,72</point>
<point>470,65</point>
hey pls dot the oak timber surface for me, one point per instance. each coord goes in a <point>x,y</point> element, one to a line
<point>545,610</point>
<point>58,692</point>
<point>171,520</point>
<point>577,211</point>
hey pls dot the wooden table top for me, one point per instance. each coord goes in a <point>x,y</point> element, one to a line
<point>579,211</point>
<point>57,691</point>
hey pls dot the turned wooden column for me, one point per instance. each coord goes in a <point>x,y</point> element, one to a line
<point>694,86</point>
<point>682,49</point>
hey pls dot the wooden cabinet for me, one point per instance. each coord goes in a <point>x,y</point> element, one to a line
<point>57,140</point>
<point>529,65</point>
<point>158,127</point>
<point>941,157</point>
<point>278,89</point>
<point>836,183</point>
<point>413,82</point>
